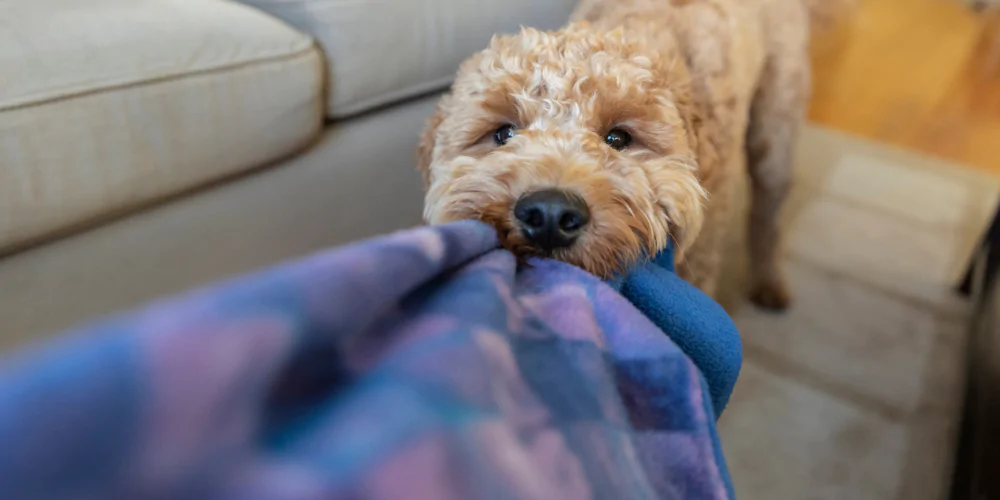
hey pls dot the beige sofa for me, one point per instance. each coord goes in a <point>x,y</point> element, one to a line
<point>149,146</point>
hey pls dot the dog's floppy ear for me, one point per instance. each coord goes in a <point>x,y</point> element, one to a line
<point>685,211</point>
<point>428,139</point>
<point>706,136</point>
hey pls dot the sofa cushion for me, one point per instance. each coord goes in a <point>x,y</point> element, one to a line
<point>109,104</point>
<point>383,51</point>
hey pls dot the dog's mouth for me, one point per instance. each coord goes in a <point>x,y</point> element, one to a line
<point>559,225</point>
<point>517,241</point>
<point>585,253</point>
<point>514,241</point>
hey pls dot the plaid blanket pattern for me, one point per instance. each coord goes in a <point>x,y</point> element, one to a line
<point>421,365</point>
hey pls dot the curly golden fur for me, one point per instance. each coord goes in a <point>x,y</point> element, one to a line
<point>703,87</point>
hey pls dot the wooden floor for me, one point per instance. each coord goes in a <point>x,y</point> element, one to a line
<point>921,74</point>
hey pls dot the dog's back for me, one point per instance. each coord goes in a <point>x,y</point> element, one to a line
<point>749,66</point>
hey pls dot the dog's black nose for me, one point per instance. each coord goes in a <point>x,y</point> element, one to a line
<point>552,218</point>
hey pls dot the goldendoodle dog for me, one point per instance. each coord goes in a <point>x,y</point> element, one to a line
<point>599,143</point>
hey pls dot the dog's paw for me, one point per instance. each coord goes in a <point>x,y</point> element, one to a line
<point>771,295</point>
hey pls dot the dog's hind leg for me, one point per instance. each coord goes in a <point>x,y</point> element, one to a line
<point>776,116</point>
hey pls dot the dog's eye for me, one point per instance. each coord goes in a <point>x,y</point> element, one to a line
<point>618,139</point>
<point>503,134</point>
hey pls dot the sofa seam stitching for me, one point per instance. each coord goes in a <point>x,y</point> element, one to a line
<point>266,61</point>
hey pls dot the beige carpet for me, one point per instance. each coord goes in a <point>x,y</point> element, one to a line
<point>855,393</point>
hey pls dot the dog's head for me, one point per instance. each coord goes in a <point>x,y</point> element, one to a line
<point>574,144</point>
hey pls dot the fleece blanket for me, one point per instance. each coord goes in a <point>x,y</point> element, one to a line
<point>695,322</point>
<point>422,365</point>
